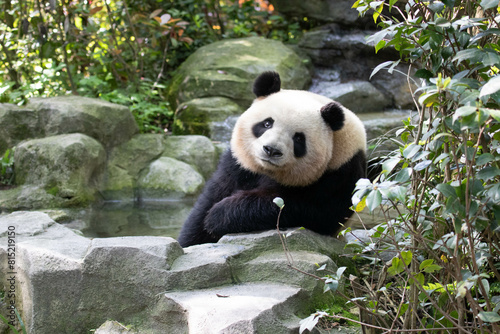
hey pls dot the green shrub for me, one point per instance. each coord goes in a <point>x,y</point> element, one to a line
<point>443,243</point>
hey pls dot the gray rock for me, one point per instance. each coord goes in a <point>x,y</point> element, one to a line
<point>111,124</point>
<point>66,283</point>
<point>29,197</point>
<point>245,308</point>
<point>228,68</point>
<point>359,96</point>
<point>396,86</point>
<point>338,11</point>
<point>197,116</point>
<point>379,124</point>
<point>126,161</point>
<point>168,178</point>
<point>65,166</point>
<point>114,327</point>
<point>69,284</point>
<point>17,124</point>
<point>197,151</point>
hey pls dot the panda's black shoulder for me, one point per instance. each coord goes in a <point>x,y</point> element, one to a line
<point>230,170</point>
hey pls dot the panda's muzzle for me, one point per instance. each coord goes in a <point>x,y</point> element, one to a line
<point>272,152</point>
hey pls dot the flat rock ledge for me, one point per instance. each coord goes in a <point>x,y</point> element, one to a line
<point>63,282</point>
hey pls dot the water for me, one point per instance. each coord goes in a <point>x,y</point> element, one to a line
<point>115,219</point>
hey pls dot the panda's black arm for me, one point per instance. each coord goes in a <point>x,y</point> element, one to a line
<point>220,185</point>
<point>244,211</point>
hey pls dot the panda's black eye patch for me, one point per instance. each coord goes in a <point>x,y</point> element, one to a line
<point>299,145</point>
<point>259,128</point>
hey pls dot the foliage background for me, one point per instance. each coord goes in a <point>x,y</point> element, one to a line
<point>121,51</point>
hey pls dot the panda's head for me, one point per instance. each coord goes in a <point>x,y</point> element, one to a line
<point>291,135</point>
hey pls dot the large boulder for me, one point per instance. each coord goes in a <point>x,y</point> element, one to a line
<point>338,11</point>
<point>346,50</point>
<point>17,124</point>
<point>65,283</point>
<point>202,115</point>
<point>66,166</point>
<point>168,178</point>
<point>228,68</point>
<point>109,123</point>
<point>359,96</point>
<point>345,60</point>
<point>197,151</point>
<point>126,161</point>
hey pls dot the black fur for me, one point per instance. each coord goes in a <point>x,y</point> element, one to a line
<point>333,115</point>
<point>266,84</point>
<point>236,200</point>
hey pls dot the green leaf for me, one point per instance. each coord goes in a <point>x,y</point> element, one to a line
<point>373,200</point>
<point>377,12</point>
<point>279,202</point>
<point>442,22</point>
<point>422,165</point>
<point>487,4</point>
<point>489,316</point>
<point>491,87</point>
<point>411,150</point>
<point>495,113</point>
<point>406,256</point>
<point>447,190</point>
<point>396,267</point>
<point>468,54</point>
<point>419,278</point>
<point>488,173</point>
<point>463,112</point>
<point>436,6</point>
<point>484,158</point>
<point>389,165</point>
<point>425,264</point>
<point>432,268</point>
<point>424,74</point>
<point>403,175</point>
<point>381,66</point>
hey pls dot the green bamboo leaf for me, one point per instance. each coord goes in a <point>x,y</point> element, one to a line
<point>381,66</point>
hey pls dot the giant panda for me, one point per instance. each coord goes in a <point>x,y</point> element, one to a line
<point>293,144</point>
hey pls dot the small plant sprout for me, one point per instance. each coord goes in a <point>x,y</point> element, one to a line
<point>279,202</point>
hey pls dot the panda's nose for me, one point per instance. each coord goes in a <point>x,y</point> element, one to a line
<point>272,152</point>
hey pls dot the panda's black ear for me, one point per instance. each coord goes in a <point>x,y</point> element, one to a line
<point>333,115</point>
<point>266,84</point>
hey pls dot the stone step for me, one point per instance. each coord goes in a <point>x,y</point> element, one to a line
<point>243,308</point>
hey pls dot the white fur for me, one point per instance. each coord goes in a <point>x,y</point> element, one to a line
<point>295,111</point>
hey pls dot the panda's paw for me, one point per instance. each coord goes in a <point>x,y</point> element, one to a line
<point>217,220</point>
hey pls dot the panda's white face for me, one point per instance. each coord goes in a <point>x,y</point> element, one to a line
<point>285,137</point>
